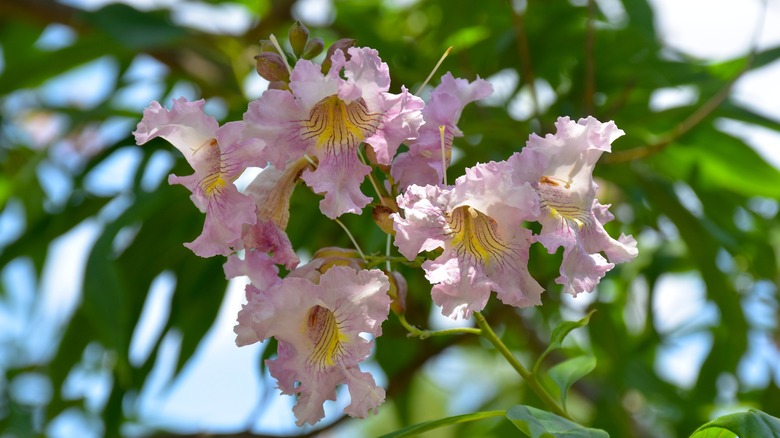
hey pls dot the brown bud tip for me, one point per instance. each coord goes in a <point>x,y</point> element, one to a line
<point>272,67</point>
<point>342,44</point>
<point>313,48</point>
<point>381,215</point>
<point>299,35</point>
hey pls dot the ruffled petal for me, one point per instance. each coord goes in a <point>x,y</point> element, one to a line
<point>402,120</point>
<point>270,125</point>
<point>580,271</point>
<point>215,155</point>
<point>256,265</point>
<point>185,126</point>
<point>318,328</point>
<point>367,71</point>
<point>422,228</point>
<point>338,177</point>
<point>444,109</point>
<point>459,288</point>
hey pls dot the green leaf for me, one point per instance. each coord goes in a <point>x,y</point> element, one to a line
<point>752,423</point>
<point>136,29</point>
<point>535,423</point>
<point>435,424</point>
<point>465,38</point>
<point>559,334</point>
<point>567,372</point>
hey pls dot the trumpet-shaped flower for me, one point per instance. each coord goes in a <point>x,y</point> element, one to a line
<point>328,116</point>
<point>478,224</point>
<point>217,157</point>
<point>560,168</point>
<point>266,242</point>
<point>422,164</point>
<point>318,327</point>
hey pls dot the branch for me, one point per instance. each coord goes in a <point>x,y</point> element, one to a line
<point>694,119</point>
<point>590,71</point>
<point>527,72</point>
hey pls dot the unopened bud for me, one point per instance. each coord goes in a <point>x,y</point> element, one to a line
<point>313,48</point>
<point>342,44</point>
<point>278,85</point>
<point>371,157</point>
<point>381,215</point>
<point>299,35</point>
<point>335,251</point>
<point>267,46</point>
<point>272,67</point>
<point>397,292</point>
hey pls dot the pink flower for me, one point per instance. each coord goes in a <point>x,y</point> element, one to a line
<point>560,167</point>
<point>327,116</point>
<point>318,326</point>
<point>218,158</point>
<point>478,224</point>
<point>266,241</point>
<point>422,164</point>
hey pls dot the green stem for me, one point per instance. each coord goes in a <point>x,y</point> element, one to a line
<point>354,242</point>
<point>491,336</point>
<point>424,334</point>
<point>376,260</point>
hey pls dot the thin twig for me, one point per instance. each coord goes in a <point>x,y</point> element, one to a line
<point>424,334</point>
<point>530,379</point>
<point>696,117</point>
<point>352,238</point>
<point>525,59</point>
<point>590,71</point>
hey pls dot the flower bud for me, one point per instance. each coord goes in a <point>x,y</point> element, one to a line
<point>381,215</point>
<point>299,36</point>
<point>342,44</point>
<point>267,46</point>
<point>272,67</point>
<point>371,157</point>
<point>313,48</point>
<point>335,251</point>
<point>278,85</point>
<point>397,292</point>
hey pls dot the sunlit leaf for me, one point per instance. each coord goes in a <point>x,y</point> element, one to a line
<point>752,423</point>
<point>569,371</point>
<point>419,428</point>
<point>535,423</point>
<point>560,332</point>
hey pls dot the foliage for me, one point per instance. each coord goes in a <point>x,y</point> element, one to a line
<point>701,202</point>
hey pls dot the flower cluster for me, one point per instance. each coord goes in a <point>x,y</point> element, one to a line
<point>330,126</point>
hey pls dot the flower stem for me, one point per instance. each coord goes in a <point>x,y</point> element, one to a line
<point>491,336</point>
<point>424,334</point>
<point>354,242</point>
